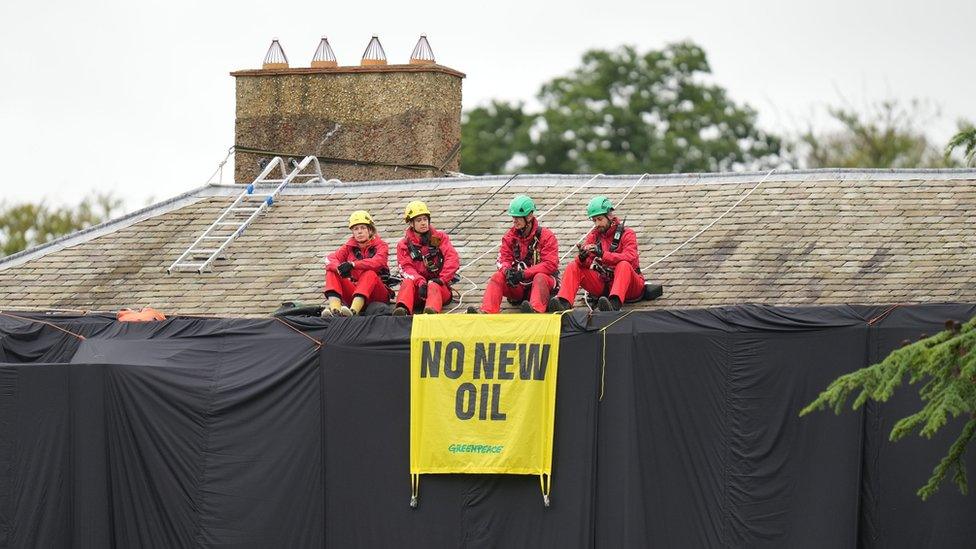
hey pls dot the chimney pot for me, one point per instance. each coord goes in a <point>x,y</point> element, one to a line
<point>275,58</point>
<point>422,54</point>
<point>324,57</point>
<point>374,54</point>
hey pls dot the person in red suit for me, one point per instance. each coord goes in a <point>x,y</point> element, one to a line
<point>428,262</point>
<point>528,263</point>
<point>607,265</point>
<point>355,272</point>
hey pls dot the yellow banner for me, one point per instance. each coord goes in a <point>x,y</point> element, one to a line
<point>483,393</point>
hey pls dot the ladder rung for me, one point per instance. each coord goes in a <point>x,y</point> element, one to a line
<point>227,231</point>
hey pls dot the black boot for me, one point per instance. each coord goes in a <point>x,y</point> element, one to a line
<point>608,303</point>
<point>526,307</point>
<point>399,310</point>
<point>556,305</point>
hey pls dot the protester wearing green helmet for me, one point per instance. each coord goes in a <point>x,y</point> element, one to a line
<point>607,265</point>
<point>528,263</point>
<point>599,205</point>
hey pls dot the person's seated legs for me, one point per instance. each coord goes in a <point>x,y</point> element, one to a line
<point>539,293</point>
<point>407,296</point>
<point>626,285</point>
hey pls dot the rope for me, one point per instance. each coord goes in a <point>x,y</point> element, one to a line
<point>464,293</point>
<point>55,326</point>
<point>299,332</point>
<point>220,167</point>
<point>603,367</point>
<point>545,482</point>
<point>345,161</point>
<point>450,156</point>
<point>578,189</point>
<point>717,219</point>
<point>489,250</point>
<point>414,489</point>
<point>485,201</point>
<point>53,310</point>
<point>883,314</point>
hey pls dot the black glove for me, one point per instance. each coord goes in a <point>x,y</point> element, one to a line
<point>583,254</point>
<point>422,290</point>
<point>345,269</point>
<point>514,276</point>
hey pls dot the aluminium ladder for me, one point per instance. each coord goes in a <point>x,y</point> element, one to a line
<point>231,223</point>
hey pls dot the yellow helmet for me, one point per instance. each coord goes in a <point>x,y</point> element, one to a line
<point>414,209</point>
<point>360,217</point>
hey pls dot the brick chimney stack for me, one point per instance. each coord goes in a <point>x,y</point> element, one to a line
<point>365,122</point>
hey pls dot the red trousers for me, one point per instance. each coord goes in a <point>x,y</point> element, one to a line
<point>625,285</point>
<point>369,286</point>
<point>538,292</point>
<point>408,296</point>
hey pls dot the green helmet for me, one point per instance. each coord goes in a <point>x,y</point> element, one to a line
<point>599,205</point>
<point>521,206</point>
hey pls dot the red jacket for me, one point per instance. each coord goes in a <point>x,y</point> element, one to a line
<point>414,269</point>
<point>547,247</point>
<point>626,250</point>
<point>373,254</point>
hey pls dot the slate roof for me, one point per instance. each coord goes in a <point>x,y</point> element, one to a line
<point>802,238</point>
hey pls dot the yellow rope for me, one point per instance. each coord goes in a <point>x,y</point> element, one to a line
<point>603,367</point>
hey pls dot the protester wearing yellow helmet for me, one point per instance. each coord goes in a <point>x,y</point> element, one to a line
<point>428,262</point>
<point>354,272</point>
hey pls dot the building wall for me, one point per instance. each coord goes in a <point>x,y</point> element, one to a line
<point>398,115</point>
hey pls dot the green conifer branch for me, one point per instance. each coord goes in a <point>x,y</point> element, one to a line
<point>946,368</point>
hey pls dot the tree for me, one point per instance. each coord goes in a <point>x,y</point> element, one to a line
<point>489,135</point>
<point>945,364</point>
<point>965,139</point>
<point>24,225</point>
<point>623,111</point>
<point>888,135</point>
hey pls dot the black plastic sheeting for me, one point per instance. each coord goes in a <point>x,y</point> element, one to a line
<point>198,432</point>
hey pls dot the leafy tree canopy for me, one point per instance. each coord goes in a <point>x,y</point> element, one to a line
<point>965,140</point>
<point>25,224</point>
<point>887,135</point>
<point>622,111</point>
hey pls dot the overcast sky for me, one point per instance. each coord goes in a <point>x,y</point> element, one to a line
<point>134,96</point>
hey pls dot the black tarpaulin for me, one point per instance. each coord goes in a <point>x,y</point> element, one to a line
<point>248,433</point>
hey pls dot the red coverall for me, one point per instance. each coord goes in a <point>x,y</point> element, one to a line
<point>625,284</point>
<point>364,279</point>
<point>416,274</point>
<point>541,277</point>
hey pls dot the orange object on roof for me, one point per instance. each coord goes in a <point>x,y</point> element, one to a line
<point>147,314</point>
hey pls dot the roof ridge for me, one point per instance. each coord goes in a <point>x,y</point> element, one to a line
<point>569,180</point>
